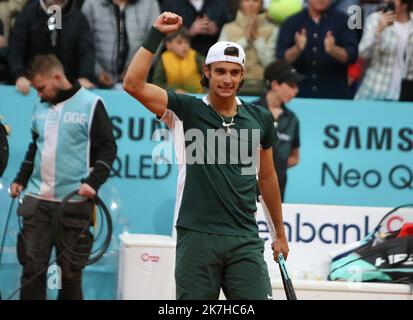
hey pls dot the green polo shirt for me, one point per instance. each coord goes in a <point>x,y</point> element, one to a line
<point>217,181</point>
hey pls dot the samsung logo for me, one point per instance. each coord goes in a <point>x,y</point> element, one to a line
<point>370,138</point>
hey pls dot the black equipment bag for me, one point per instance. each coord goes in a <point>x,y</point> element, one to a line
<point>385,255</point>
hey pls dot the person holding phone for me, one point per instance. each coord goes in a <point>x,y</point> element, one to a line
<point>387,44</point>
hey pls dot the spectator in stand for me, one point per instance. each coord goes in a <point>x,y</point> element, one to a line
<point>355,69</point>
<point>257,36</point>
<point>118,29</point>
<point>8,11</point>
<point>203,18</point>
<point>387,45</point>
<point>3,50</point>
<point>33,35</point>
<point>318,42</point>
<point>180,66</point>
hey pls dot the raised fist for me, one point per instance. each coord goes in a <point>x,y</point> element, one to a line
<point>168,22</point>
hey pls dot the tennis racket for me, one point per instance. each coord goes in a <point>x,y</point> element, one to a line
<point>287,283</point>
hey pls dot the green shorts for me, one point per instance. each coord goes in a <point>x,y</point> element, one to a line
<point>206,262</point>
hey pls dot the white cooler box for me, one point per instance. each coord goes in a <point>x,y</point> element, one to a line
<point>146,267</point>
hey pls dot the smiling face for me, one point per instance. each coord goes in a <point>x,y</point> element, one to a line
<point>224,78</point>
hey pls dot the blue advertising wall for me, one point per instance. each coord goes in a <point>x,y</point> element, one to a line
<point>352,153</point>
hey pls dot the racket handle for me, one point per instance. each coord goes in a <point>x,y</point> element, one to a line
<point>287,283</point>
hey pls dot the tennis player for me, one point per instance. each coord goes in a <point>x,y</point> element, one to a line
<point>218,245</point>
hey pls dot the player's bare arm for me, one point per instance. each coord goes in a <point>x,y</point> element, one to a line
<point>268,183</point>
<point>152,97</point>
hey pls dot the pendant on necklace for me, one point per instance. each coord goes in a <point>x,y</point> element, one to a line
<point>227,127</point>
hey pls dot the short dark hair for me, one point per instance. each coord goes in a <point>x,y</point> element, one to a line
<point>229,51</point>
<point>182,32</point>
<point>42,64</point>
<point>269,72</point>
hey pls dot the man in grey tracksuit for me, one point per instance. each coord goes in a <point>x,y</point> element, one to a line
<point>118,28</point>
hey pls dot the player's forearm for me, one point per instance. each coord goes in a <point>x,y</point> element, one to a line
<point>271,194</point>
<point>138,70</point>
<point>140,66</point>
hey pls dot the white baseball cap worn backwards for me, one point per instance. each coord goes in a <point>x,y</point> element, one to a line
<point>217,53</point>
